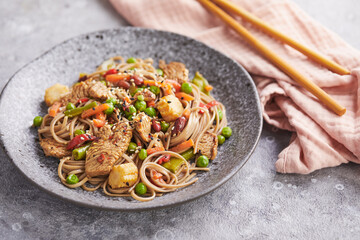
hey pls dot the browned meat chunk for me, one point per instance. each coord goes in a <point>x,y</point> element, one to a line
<point>54,149</point>
<point>143,126</point>
<point>175,71</point>
<point>102,155</point>
<point>148,95</point>
<point>208,145</point>
<point>89,88</point>
<point>104,132</point>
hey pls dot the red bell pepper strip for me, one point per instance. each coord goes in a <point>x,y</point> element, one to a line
<point>78,140</point>
<point>82,100</point>
<point>111,71</point>
<point>164,159</point>
<point>212,104</point>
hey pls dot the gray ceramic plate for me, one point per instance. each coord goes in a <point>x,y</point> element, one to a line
<point>22,99</point>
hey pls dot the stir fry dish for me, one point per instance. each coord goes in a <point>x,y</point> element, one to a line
<point>131,129</point>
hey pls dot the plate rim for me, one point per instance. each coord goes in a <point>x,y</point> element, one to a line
<point>136,209</point>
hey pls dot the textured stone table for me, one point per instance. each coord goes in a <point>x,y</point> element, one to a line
<point>256,203</point>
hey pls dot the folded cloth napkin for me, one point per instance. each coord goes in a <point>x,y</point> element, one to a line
<point>320,137</point>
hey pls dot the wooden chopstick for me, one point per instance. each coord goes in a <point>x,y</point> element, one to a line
<point>276,60</point>
<point>331,65</point>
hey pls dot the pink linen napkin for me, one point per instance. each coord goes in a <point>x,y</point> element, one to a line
<point>320,138</point>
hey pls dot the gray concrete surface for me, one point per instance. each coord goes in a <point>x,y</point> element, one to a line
<point>257,203</point>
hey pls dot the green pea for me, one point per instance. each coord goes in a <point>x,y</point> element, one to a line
<point>37,121</point>
<point>155,90</point>
<point>160,72</point>
<point>141,98</point>
<point>142,154</point>
<point>132,109</point>
<point>70,106</point>
<point>110,110</point>
<point>112,100</point>
<point>79,132</point>
<point>202,161</point>
<point>226,132</point>
<point>150,111</point>
<point>138,90</point>
<point>220,115</point>
<point>132,147</point>
<point>164,126</point>
<point>72,179</point>
<point>140,189</point>
<point>186,88</point>
<point>131,60</point>
<point>130,118</point>
<point>221,139</point>
<point>140,105</point>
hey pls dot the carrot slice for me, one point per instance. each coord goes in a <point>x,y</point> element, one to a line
<point>154,150</point>
<point>150,83</point>
<point>182,147</point>
<point>95,110</point>
<point>184,96</point>
<point>99,123</point>
<point>208,88</point>
<point>54,109</point>
<point>155,174</point>
<point>151,103</point>
<point>175,84</point>
<point>167,88</point>
<point>115,77</point>
<point>186,113</point>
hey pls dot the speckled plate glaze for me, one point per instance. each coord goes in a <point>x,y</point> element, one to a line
<point>22,99</point>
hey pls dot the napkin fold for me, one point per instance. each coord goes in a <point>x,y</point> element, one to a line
<point>320,137</point>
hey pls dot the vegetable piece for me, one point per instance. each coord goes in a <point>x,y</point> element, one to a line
<point>54,93</point>
<point>154,150</point>
<point>131,60</point>
<point>150,111</point>
<point>82,100</point>
<point>123,175</point>
<point>110,110</point>
<point>155,175</point>
<point>72,179</point>
<point>188,154</point>
<point>112,100</point>
<point>182,147</point>
<point>220,113</point>
<point>186,113</point>
<point>208,88</point>
<point>70,106</point>
<point>173,165</point>
<point>202,161</point>
<point>150,83</point>
<point>221,139</point>
<point>103,82</point>
<point>164,159</point>
<point>174,84</point>
<point>131,110</point>
<point>167,89</point>
<point>54,109</point>
<point>37,121</point>
<point>184,96</point>
<point>170,108</point>
<point>132,147</point>
<point>80,153</point>
<point>150,103</point>
<point>100,120</point>
<point>140,189</point>
<point>140,98</point>
<point>186,88</point>
<point>143,154</point>
<point>211,104</point>
<point>201,82</point>
<point>179,125</point>
<point>78,140</point>
<point>79,110</point>
<point>156,125</point>
<point>140,105</point>
<point>155,90</point>
<point>164,126</point>
<point>111,71</point>
<point>130,118</point>
<point>95,110</point>
<point>79,132</point>
<point>114,78</point>
<point>226,132</point>
<point>138,80</point>
<point>160,72</point>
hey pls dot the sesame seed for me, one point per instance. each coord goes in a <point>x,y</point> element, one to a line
<point>168,101</point>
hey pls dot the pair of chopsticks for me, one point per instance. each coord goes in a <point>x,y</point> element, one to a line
<point>271,56</point>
